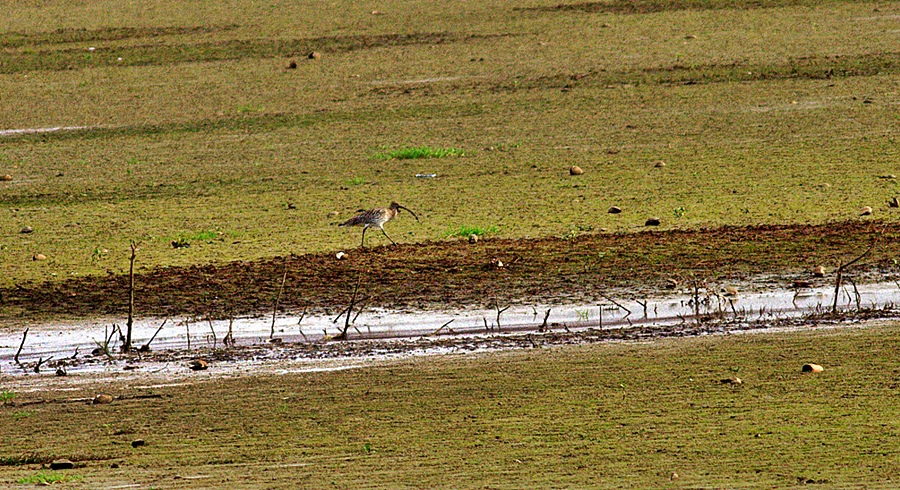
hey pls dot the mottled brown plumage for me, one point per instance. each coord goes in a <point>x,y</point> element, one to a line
<point>376,217</point>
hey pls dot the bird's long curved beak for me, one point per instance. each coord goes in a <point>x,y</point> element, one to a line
<point>410,212</point>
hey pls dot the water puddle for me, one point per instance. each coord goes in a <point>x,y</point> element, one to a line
<point>184,339</point>
<point>55,129</point>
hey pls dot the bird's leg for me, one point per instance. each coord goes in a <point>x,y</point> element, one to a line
<point>363,244</point>
<point>388,236</point>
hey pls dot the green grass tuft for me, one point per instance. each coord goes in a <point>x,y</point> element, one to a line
<point>45,477</point>
<point>6,396</point>
<point>465,231</point>
<point>420,152</point>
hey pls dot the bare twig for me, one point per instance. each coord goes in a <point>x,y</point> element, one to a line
<point>228,340</point>
<point>278,299</point>
<point>842,267</point>
<point>543,326</point>
<point>349,310</point>
<point>617,304</point>
<point>499,311</point>
<point>643,305</point>
<point>211,329</point>
<point>16,358</point>
<point>442,327</point>
<point>146,347</point>
<point>126,344</point>
<point>41,360</point>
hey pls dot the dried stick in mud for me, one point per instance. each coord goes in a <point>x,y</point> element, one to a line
<point>126,344</point>
<point>146,347</point>
<point>16,358</point>
<point>544,327</point>
<point>499,312</point>
<point>349,310</point>
<point>278,299</point>
<point>840,271</point>
<point>442,327</point>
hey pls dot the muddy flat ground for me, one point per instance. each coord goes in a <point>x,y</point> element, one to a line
<point>454,275</point>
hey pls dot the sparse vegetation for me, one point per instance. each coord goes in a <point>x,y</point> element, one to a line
<point>48,477</point>
<point>464,231</point>
<point>6,397</point>
<point>420,152</point>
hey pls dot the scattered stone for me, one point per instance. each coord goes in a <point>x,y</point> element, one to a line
<point>377,12</point>
<point>614,210</point>
<point>198,365</point>
<point>61,464</point>
<point>497,263</point>
<point>894,203</point>
<point>340,255</point>
<point>730,291</point>
<point>39,257</point>
<point>314,55</point>
<point>276,341</point>
<point>865,211</point>
<point>6,178</point>
<point>137,443</point>
<point>292,65</point>
<point>606,26</point>
<point>800,284</point>
<point>473,238</point>
<point>334,214</point>
<point>652,222</point>
<point>102,399</point>
<point>659,164</point>
<point>61,371</point>
<point>671,283</point>
<point>887,176</point>
<point>690,36</point>
<point>674,476</point>
<point>114,465</point>
<point>812,368</point>
<point>575,170</point>
<point>26,229</point>
<point>819,271</point>
<point>732,381</point>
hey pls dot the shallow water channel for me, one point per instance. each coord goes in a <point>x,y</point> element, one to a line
<point>62,341</point>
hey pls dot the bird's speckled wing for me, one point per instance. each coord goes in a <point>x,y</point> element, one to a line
<point>370,217</point>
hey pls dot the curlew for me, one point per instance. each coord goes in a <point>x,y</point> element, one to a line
<point>376,217</point>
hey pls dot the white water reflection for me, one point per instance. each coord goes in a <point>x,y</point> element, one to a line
<point>61,341</point>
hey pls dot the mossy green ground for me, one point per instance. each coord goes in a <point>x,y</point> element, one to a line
<point>784,114</point>
<point>612,415</point>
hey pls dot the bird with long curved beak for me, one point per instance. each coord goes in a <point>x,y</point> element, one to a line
<point>376,217</point>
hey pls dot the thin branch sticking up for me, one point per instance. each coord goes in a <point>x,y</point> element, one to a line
<point>278,299</point>
<point>544,327</point>
<point>349,310</point>
<point>442,327</point>
<point>146,347</point>
<point>499,311</point>
<point>840,271</point>
<point>126,344</point>
<point>24,334</point>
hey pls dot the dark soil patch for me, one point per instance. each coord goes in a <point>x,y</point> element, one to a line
<point>458,274</point>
